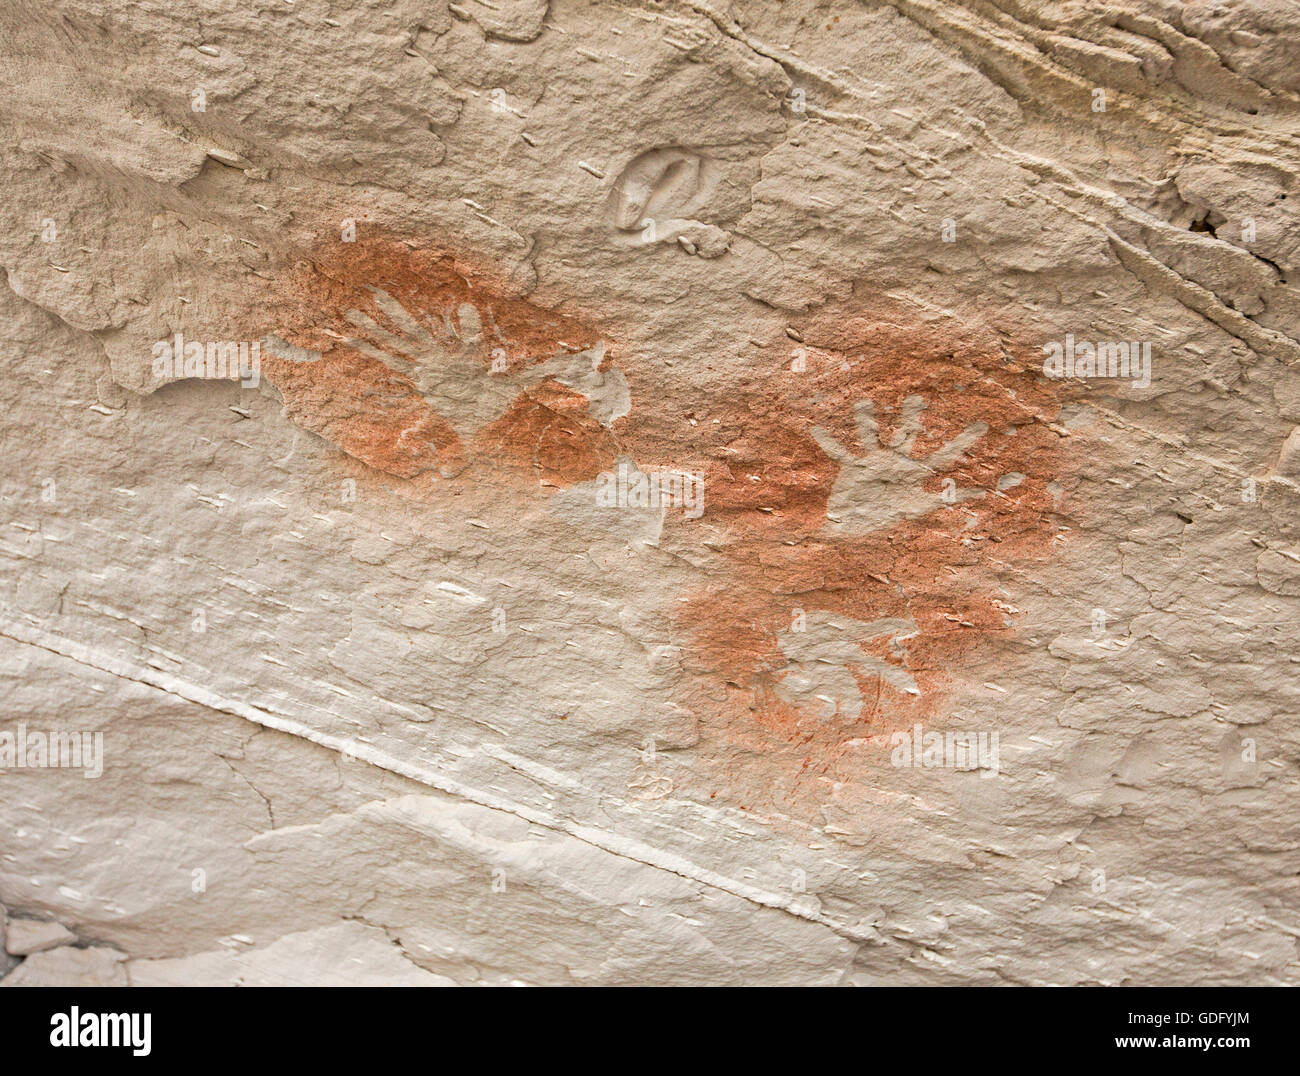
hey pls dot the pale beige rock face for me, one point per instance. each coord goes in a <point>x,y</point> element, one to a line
<point>66,966</point>
<point>27,936</point>
<point>369,682</point>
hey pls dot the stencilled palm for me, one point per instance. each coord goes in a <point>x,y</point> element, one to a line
<point>462,372</point>
<point>820,659</point>
<point>885,486</point>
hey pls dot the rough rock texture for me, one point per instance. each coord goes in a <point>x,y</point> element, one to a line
<point>66,966</point>
<point>27,936</point>
<point>400,677</point>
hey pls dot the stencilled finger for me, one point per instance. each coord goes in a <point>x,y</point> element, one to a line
<point>830,446</point>
<point>393,359</point>
<point>470,327</point>
<point>943,458</point>
<point>909,425</point>
<point>403,319</point>
<point>864,414</point>
<point>377,341</point>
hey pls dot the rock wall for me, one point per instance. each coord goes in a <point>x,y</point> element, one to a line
<point>650,492</point>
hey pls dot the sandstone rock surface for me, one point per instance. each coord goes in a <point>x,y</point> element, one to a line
<point>676,520</point>
<point>26,936</point>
